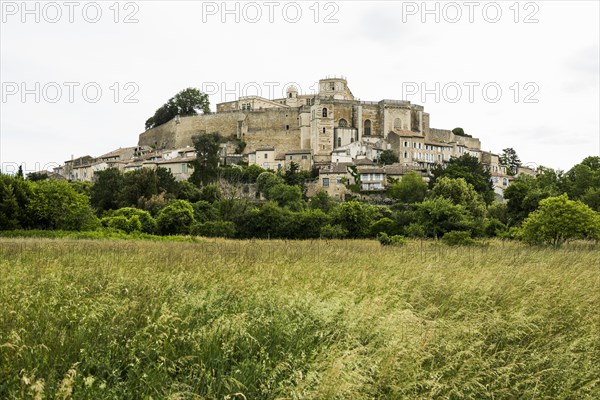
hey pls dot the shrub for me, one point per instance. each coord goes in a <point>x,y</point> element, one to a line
<point>558,220</point>
<point>458,238</point>
<point>215,229</point>
<point>147,224</point>
<point>385,225</point>
<point>415,230</point>
<point>394,240</point>
<point>176,218</point>
<point>333,232</point>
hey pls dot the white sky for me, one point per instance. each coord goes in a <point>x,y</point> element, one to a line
<point>384,49</point>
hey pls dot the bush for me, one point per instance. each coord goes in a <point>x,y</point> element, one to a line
<point>494,228</point>
<point>458,238</point>
<point>147,224</point>
<point>333,232</point>
<point>215,229</point>
<point>415,230</point>
<point>176,218</point>
<point>384,225</point>
<point>394,240</point>
<point>559,220</point>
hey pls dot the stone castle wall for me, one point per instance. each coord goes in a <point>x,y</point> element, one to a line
<point>267,128</point>
<point>446,136</point>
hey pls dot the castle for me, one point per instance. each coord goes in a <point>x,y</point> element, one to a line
<point>332,123</point>
<point>323,130</point>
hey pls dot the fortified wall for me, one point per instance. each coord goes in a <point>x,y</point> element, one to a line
<point>260,128</point>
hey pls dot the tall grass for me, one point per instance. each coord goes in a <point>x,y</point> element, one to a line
<point>103,319</point>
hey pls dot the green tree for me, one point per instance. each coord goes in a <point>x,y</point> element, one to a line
<point>206,165</point>
<point>139,184</point>
<point>439,215</point>
<point>559,220</point>
<point>37,176</point>
<point>460,132</point>
<point>211,193</point>
<point>388,157</point>
<point>165,181</point>
<point>321,201</point>
<point>108,184</point>
<point>177,218</point>
<point>461,193</point>
<point>187,102</point>
<point>56,205</point>
<point>186,190</point>
<point>146,222</point>
<point>286,195</point>
<point>354,217</point>
<point>510,158</point>
<point>9,208</point>
<point>266,181</point>
<point>471,170</point>
<point>410,189</point>
<point>582,178</point>
<point>524,195</point>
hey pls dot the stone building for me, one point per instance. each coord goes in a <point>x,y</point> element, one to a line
<point>333,124</point>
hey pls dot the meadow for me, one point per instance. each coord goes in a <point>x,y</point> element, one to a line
<point>351,319</point>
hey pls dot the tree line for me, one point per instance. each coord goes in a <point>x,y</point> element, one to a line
<point>552,207</point>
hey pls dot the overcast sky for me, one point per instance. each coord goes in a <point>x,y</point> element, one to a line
<point>524,76</point>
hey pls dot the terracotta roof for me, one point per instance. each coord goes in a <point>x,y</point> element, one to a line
<point>397,169</point>
<point>118,152</point>
<point>372,171</point>
<point>364,161</point>
<point>338,168</point>
<point>265,149</point>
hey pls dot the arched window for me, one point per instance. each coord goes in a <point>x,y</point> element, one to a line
<point>367,130</point>
<point>339,142</point>
<point>397,124</point>
<point>324,111</point>
<point>342,123</point>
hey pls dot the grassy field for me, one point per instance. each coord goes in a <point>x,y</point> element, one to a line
<point>106,319</point>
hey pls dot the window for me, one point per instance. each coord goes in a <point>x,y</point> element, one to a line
<point>504,182</point>
<point>414,145</point>
<point>265,155</point>
<point>332,86</point>
<point>324,112</point>
<point>338,180</point>
<point>323,130</point>
<point>325,182</point>
<point>342,123</point>
<point>290,95</point>
<point>290,157</point>
<point>287,127</point>
<point>405,154</point>
<point>405,144</point>
<point>184,168</point>
<point>367,130</point>
<point>305,157</point>
<point>339,142</point>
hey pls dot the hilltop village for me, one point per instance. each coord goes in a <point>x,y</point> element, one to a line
<point>331,133</point>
